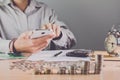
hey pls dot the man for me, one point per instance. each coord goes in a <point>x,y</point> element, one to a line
<point>17,20</point>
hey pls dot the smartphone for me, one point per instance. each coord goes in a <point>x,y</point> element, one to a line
<point>40,33</point>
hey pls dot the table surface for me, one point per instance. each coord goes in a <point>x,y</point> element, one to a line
<point>110,71</point>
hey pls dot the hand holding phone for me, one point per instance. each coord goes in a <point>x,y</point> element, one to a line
<point>40,33</point>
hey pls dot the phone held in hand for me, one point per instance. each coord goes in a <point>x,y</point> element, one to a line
<point>40,33</point>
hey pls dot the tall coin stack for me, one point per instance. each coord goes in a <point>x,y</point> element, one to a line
<point>98,63</point>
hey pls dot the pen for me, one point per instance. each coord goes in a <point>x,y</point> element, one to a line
<point>57,53</point>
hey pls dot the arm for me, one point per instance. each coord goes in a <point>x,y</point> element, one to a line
<point>66,39</point>
<point>4,45</point>
<point>24,43</point>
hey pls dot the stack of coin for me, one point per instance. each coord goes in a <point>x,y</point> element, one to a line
<point>85,70</point>
<point>48,71</point>
<point>98,63</point>
<point>72,71</point>
<point>62,70</point>
<point>92,67</point>
<point>36,71</point>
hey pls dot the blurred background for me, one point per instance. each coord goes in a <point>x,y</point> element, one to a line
<point>89,20</point>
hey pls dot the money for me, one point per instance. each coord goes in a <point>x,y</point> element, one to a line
<point>98,63</point>
<point>62,67</point>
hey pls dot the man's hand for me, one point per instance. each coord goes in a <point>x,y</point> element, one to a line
<point>56,29</point>
<point>27,45</point>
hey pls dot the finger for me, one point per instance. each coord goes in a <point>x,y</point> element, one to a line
<point>58,31</point>
<point>46,26</point>
<point>43,27</point>
<point>29,34</point>
<point>23,35</point>
<point>39,43</point>
<point>26,35</point>
<point>43,46</point>
<point>50,36</point>
<point>54,28</point>
<point>49,26</point>
<point>39,48</point>
<point>41,40</point>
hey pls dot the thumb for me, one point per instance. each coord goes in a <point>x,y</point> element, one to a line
<point>26,35</point>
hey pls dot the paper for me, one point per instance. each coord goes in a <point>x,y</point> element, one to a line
<point>4,56</point>
<point>49,56</point>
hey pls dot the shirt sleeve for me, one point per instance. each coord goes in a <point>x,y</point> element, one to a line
<point>4,45</point>
<point>67,40</point>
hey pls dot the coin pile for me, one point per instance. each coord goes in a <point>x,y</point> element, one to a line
<point>63,67</point>
<point>24,65</point>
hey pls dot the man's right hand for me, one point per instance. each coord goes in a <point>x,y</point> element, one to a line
<point>27,45</point>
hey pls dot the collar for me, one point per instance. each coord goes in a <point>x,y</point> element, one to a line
<point>33,3</point>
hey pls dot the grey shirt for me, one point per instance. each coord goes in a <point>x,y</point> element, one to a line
<point>13,22</point>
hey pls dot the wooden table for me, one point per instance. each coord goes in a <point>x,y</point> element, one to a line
<point>110,71</point>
